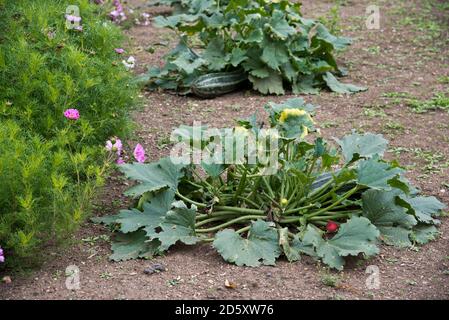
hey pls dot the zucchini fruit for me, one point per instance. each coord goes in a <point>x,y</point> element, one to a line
<point>212,85</point>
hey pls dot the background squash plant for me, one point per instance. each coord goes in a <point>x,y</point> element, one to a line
<point>321,201</point>
<point>269,41</point>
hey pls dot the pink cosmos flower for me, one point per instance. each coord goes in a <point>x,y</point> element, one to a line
<point>120,161</point>
<point>72,114</point>
<point>139,153</point>
<point>119,50</point>
<point>2,256</point>
<point>114,15</point>
<point>117,5</point>
<point>118,14</point>
<point>115,145</point>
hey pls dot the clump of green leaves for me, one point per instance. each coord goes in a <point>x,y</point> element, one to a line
<point>254,212</point>
<point>270,40</point>
<point>440,101</point>
<point>45,191</point>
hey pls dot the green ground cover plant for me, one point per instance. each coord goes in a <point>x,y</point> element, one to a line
<point>63,93</point>
<point>317,200</point>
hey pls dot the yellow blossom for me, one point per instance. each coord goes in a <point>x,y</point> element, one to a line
<point>287,113</point>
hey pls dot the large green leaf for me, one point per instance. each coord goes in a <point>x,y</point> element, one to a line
<point>375,174</point>
<point>392,220</point>
<point>422,233</point>
<point>338,43</point>
<point>177,225</point>
<point>355,146</point>
<point>396,236</point>
<point>238,56</point>
<point>261,246</point>
<point>381,209</point>
<point>424,208</point>
<point>268,85</point>
<point>355,236</point>
<point>340,87</point>
<point>185,62</point>
<point>305,85</point>
<point>279,25</point>
<point>154,177</point>
<point>274,54</point>
<point>150,218</point>
<point>215,55</point>
<point>133,245</point>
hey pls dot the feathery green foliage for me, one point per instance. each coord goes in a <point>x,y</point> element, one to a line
<point>51,167</point>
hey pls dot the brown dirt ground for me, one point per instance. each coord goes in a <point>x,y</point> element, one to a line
<point>397,58</point>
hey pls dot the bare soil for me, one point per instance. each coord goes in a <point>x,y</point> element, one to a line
<point>399,57</point>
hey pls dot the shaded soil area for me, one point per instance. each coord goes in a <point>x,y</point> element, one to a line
<point>408,58</point>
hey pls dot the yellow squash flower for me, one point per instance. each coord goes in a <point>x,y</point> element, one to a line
<point>287,113</point>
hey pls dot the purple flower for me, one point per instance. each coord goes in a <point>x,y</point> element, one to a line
<point>117,14</point>
<point>72,114</point>
<point>119,50</point>
<point>139,153</point>
<point>78,28</point>
<point>114,145</point>
<point>2,256</point>
<point>117,5</point>
<point>120,161</point>
<point>114,15</point>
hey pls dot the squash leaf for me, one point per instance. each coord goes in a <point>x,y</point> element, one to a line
<point>133,245</point>
<point>153,177</point>
<point>355,236</point>
<point>356,146</point>
<point>260,247</point>
<point>177,225</point>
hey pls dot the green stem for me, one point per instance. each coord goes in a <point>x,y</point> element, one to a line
<point>290,219</point>
<point>248,201</point>
<point>268,187</point>
<point>241,210</point>
<point>213,219</point>
<point>329,217</point>
<point>336,203</point>
<point>229,223</point>
<point>198,204</point>
<point>299,209</point>
<point>215,214</point>
<point>243,229</point>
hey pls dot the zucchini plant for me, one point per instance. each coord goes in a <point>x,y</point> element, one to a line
<point>270,41</point>
<point>313,199</point>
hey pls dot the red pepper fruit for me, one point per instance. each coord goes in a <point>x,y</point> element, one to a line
<point>331,226</point>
